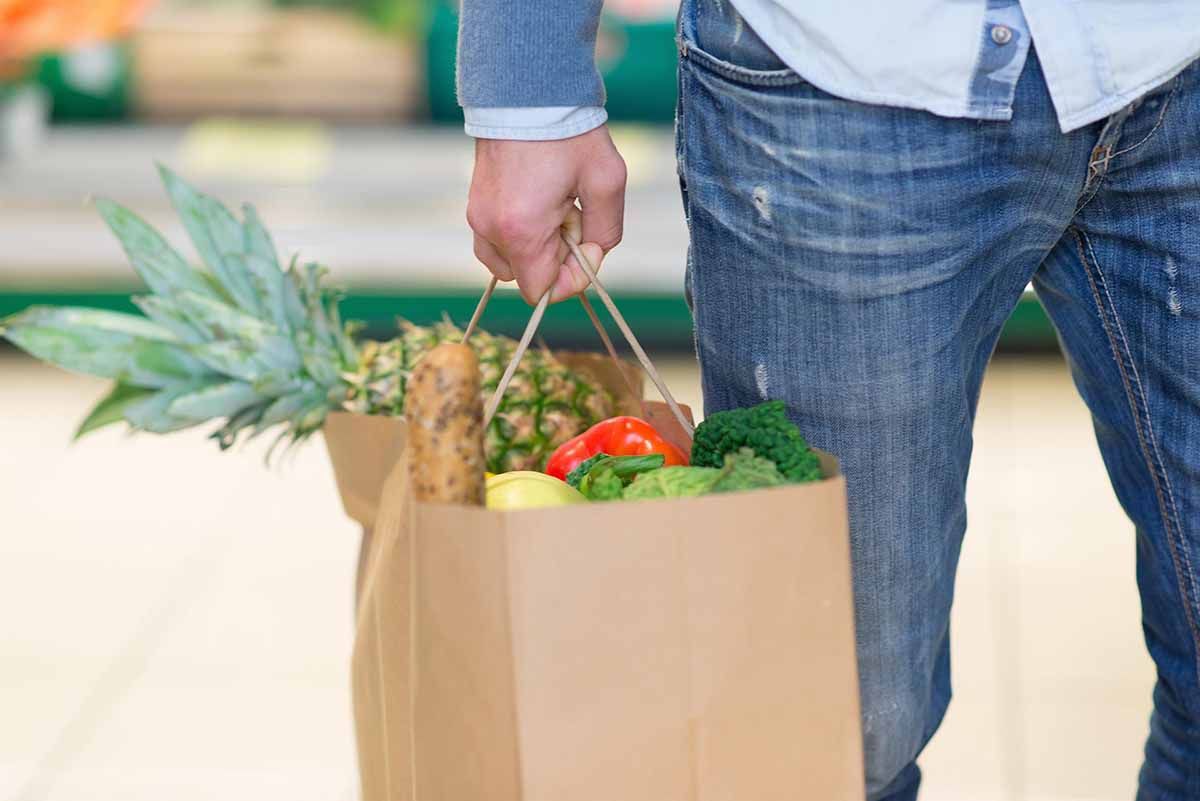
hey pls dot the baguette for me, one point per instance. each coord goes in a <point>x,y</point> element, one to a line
<point>444,409</point>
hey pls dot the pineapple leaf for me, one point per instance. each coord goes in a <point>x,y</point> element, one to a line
<point>280,353</point>
<point>320,360</point>
<point>290,406</point>
<point>156,364</point>
<point>256,240</point>
<point>163,311</point>
<point>293,302</point>
<point>269,285</point>
<point>115,324</point>
<point>231,358</point>
<point>154,260</point>
<point>342,333</point>
<point>220,321</point>
<point>310,420</point>
<point>216,400</point>
<point>151,414</point>
<point>226,435</point>
<point>123,347</point>
<point>215,232</point>
<point>314,301</point>
<point>277,383</point>
<point>111,408</point>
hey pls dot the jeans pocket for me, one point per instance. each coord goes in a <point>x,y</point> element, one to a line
<point>713,36</point>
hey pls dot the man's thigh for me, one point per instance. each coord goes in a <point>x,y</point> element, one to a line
<point>1123,289</point>
<point>858,263</point>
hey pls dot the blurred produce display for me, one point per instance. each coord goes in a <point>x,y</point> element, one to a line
<point>90,82</point>
<point>29,28</point>
<point>197,59</point>
<point>61,56</point>
<point>23,112</point>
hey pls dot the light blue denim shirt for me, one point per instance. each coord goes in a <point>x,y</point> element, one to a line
<point>955,58</point>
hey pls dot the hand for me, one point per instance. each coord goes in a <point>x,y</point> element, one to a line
<point>521,195</point>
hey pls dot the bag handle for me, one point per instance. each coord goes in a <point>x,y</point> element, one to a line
<point>535,319</point>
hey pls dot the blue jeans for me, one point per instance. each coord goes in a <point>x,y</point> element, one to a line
<point>859,261</point>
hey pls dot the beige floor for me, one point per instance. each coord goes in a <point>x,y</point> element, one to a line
<point>174,621</point>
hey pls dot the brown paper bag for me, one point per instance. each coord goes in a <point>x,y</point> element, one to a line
<point>652,651</point>
<point>683,649</point>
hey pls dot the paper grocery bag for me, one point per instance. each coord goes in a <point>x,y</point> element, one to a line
<point>670,650</point>
<point>674,650</point>
<point>364,449</point>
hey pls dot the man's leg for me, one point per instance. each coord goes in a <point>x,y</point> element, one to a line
<point>858,262</point>
<point>1124,291</point>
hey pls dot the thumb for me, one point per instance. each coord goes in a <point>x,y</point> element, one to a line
<point>572,280</point>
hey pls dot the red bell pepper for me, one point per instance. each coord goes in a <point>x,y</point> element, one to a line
<point>618,436</point>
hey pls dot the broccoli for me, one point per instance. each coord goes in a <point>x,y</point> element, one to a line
<point>766,430</point>
<point>745,471</point>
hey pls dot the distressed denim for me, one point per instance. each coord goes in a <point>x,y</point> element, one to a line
<point>858,262</point>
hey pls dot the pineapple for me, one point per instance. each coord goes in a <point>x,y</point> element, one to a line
<point>244,341</point>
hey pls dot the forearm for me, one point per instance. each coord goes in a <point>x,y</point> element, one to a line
<point>516,53</point>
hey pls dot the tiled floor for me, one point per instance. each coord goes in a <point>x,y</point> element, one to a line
<point>175,621</point>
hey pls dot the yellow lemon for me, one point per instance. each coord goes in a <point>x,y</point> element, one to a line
<point>525,489</point>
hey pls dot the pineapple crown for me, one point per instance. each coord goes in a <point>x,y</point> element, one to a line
<point>238,338</point>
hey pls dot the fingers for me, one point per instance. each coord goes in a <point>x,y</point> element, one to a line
<point>519,245</point>
<point>602,197</point>
<point>536,263</point>
<point>489,257</point>
<point>572,280</point>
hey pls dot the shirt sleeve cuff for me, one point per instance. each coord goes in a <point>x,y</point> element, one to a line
<point>532,124</point>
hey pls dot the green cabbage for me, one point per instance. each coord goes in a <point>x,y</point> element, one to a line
<point>742,471</point>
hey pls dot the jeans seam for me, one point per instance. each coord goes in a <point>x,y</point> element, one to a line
<point>1162,116</point>
<point>1185,576</point>
<point>1100,165</point>
<point>1090,196</point>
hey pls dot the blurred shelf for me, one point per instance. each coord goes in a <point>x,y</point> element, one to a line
<point>383,206</point>
<point>661,320</point>
<point>328,63</point>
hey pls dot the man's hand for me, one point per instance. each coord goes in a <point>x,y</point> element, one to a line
<point>523,192</point>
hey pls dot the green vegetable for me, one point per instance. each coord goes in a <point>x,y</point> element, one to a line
<point>745,471</point>
<point>576,475</point>
<point>766,430</point>
<point>603,477</point>
<point>741,471</point>
<point>672,482</point>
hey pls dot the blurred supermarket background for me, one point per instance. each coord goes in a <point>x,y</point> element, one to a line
<point>176,621</point>
<point>338,119</point>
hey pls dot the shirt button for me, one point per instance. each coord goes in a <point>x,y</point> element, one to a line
<point>1001,34</point>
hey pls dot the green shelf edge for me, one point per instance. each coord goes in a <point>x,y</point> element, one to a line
<point>661,320</point>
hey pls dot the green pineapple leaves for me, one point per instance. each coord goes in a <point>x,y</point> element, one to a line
<point>126,348</point>
<point>215,232</point>
<point>155,261</point>
<point>237,338</point>
<point>111,409</point>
